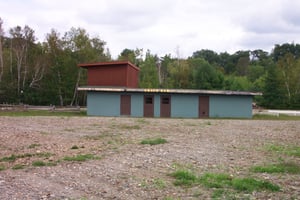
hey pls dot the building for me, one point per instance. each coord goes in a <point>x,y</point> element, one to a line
<point>113,91</point>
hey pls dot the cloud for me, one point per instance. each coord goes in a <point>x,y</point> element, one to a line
<point>161,26</point>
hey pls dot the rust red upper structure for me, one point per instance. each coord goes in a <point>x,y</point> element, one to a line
<point>117,73</point>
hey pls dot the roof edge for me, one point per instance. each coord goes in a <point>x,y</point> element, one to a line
<point>161,90</point>
<point>109,63</point>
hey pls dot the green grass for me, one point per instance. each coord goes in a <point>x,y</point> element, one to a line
<point>184,178</point>
<point>2,167</point>
<point>287,150</point>
<point>274,117</point>
<point>74,147</point>
<point>14,157</point>
<point>154,141</point>
<point>222,181</point>
<point>80,157</point>
<point>39,163</point>
<point>18,166</point>
<point>32,146</point>
<point>128,127</point>
<point>42,113</point>
<point>10,158</point>
<point>291,168</point>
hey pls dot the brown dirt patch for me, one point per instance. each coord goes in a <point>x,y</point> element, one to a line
<point>125,169</point>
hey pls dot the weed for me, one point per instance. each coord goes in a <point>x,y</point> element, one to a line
<point>2,167</point>
<point>44,154</point>
<point>11,158</point>
<point>18,166</point>
<point>159,183</point>
<point>291,168</point>
<point>184,178</point>
<point>129,127</point>
<point>251,184</point>
<point>74,147</point>
<point>32,146</point>
<point>154,141</point>
<point>80,157</point>
<point>38,163</point>
<point>215,180</point>
<point>287,150</point>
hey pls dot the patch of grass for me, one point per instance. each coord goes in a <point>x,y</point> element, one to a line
<point>291,168</point>
<point>32,146</point>
<point>275,117</point>
<point>222,182</point>
<point>215,180</point>
<point>74,147</point>
<point>251,184</point>
<point>11,158</point>
<point>38,163</point>
<point>159,183</point>
<point>80,157</point>
<point>2,167</point>
<point>44,154</point>
<point>129,127</point>
<point>154,141</point>
<point>42,113</point>
<point>287,150</point>
<point>184,178</point>
<point>18,166</point>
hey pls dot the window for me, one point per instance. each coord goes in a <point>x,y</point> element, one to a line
<point>165,100</point>
<point>148,100</point>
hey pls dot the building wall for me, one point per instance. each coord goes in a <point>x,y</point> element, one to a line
<point>230,106</point>
<point>107,76</point>
<point>182,105</point>
<point>103,104</point>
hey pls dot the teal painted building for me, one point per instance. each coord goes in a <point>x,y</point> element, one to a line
<point>113,91</point>
<point>136,102</point>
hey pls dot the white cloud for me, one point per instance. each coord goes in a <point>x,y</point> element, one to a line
<point>161,26</point>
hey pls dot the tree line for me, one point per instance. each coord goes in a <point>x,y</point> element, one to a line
<point>44,73</point>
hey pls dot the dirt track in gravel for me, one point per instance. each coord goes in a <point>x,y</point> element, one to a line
<point>126,169</point>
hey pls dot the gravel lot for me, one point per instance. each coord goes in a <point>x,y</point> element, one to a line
<point>123,168</point>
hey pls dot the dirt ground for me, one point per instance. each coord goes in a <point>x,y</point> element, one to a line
<point>123,168</point>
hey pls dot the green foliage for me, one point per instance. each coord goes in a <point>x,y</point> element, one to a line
<point>291,168</point>
<point>38,163</point>
<point>184,178</point>
<point>148,73</point>
<point>251,184</point>
<point>18,166</point>
<point>11,158</point>
<point>154,141</point>
<point>219,181</point>
<point>32,146</point>
<point>287,150</point>
<point>80,157</point>
<point>2,167</point>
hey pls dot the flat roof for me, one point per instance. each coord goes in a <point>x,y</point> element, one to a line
<point>162,90</point>
<point>111,64</point>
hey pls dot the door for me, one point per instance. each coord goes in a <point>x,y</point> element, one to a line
<point>165,106</point>
<point>125,107</point>
<point>148,106</point>
<point>203,106</point>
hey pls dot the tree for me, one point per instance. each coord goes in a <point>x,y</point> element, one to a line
<point>1,50</point>
<point>205,76</point>
<point>133,56</point>
<point>272,94</point>
<point>149,73</point>
<point>289,69</point>
<point>21,41</point>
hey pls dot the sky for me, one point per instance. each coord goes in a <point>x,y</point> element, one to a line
<point>176,27</point>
